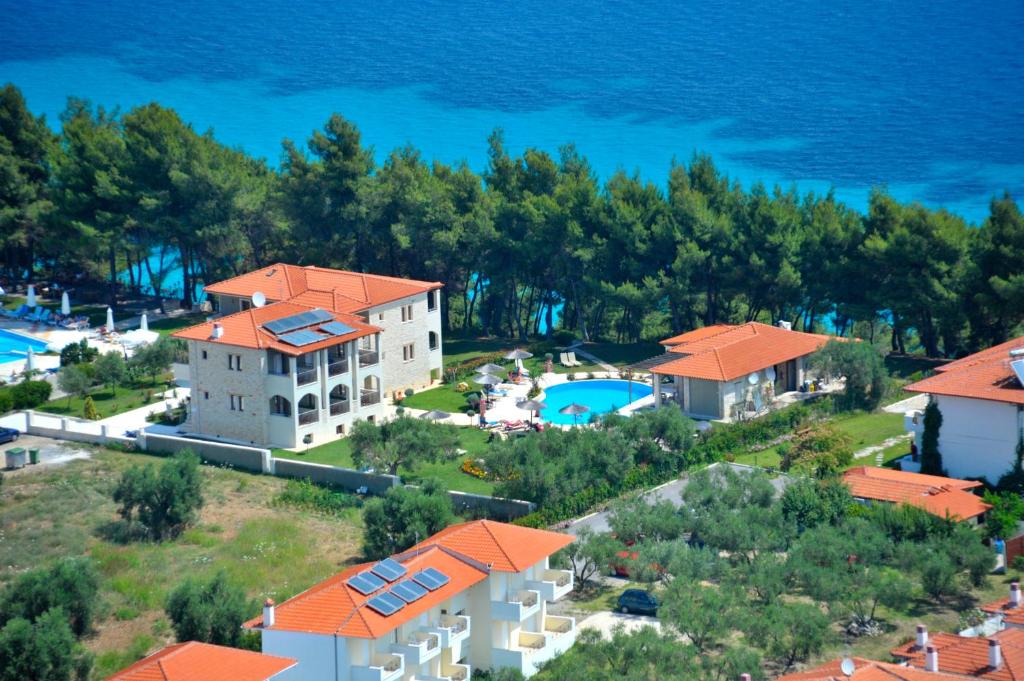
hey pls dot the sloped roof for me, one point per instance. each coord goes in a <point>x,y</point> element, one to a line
<point>944,497</point>
<point>348,292</point>
<point>968,656</point>
<point>724,353</point>
<point>195,661</point>
<point>866,670</point>
<point>501,546</point>
<point>1011,615</point>
<point>985,375</point>
<point>245,329</point>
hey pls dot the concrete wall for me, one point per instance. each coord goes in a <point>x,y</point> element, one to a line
<point>978,438</point>
<point>399,374</point>
<point>237,456</point>
<point>342,478</point>
<point>491,507</point>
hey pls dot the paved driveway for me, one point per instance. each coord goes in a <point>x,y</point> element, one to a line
<point>605,622</point>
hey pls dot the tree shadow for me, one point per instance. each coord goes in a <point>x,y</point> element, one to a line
<point>122,532</point>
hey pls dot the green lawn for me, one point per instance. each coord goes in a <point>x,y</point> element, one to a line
<point>473,440</point>
<point>165,327</point>
<point>621,354</point>
<point>444,397</point>
<point>108,403</point>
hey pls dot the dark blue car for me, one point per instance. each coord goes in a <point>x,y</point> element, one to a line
<point>638,601</point>
<point>8,435</point>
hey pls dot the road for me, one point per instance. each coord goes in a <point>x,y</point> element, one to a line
<point>670,491</point>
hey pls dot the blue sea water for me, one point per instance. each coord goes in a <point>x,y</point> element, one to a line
<point>602,396</point>
<point>925,96</point>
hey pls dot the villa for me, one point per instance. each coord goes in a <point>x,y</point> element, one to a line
<point>981,398</point>
<point>473,596</point>
<point>944,497</point>
<point>193,661</point>
<point>723,371</point>
<point>295,354</point>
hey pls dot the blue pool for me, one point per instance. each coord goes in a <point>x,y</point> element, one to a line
<point>13,346</point>
<point>602,396</point>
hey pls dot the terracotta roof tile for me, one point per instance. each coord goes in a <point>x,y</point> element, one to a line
<point>696,334</point>
<point>866,670</point>
<point>985,375</point>
<point>944,497</point>
<point>1011,615</point>
<point>968,656</point>
<point>504,547</point>
<point>194,661</point>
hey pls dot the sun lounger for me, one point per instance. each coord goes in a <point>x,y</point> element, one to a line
<point>563,359</point>
<point>15,314</point>
<point>43,316</point>
<point>572,358</point>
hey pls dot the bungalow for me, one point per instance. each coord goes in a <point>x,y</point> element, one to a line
<point>944,497</point>
<point>193,661</point>
<point>981,398</point>
<point>723,371</point>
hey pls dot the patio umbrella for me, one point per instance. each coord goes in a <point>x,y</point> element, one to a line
<point>30,360</point>
<point>531,406</point>
<point>575,410</point>
<point>31,298</point>
<point>144,322</point>
<point>435,415</point>
<point>490,369</point>
<point>486,380</point>
<point>519,354</point>
<point>110,319</point>
<point>65,304</point>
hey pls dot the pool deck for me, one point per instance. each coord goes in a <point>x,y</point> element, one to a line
<point>54,337</point>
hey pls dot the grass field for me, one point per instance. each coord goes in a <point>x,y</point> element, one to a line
<point>165,327</point>
<point>474,441</point>
<point>444,397</point>
<point>127,397</point>
<point>47,513</point>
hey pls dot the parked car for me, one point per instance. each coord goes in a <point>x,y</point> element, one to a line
<point>8,435</point>
<point>638,601</point>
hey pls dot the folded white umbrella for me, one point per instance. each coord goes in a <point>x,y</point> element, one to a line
<point>144,323</point>
<point>110,318</point>
<point>31,301</point>
<point>65,304</point>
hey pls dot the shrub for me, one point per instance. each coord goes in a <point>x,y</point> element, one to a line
<point>821,451</point>
<point>70,584</point>
<point>164,502</point>
<point>409,392</point>
<point>43,649</point>
<point>210,612</point>
<point>89,409</point>
<point>305,494</point>
<point>404,516</point>
<point>30,394</point>
<point>77,353</point>
<point>863,367</point>
<point>931,458</point>
<point>6,401</point>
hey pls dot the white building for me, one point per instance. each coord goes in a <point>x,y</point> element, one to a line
<point>299,353</point>
<point>474,596</point>
<point>981,399</point>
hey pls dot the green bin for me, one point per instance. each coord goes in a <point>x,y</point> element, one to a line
<point>33,456</point>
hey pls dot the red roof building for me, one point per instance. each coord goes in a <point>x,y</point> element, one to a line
<point>999,657</point>
<point>944,497</point>
<point>194,661</point>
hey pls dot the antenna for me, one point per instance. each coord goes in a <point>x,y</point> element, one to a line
<point>754,378</point>
<point>848,666</point>
<point>258,299</point>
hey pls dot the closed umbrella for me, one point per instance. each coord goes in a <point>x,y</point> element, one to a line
<point>110,319</point>
<point>2,291</point>
<point>531,406</point>
<point>435,415</point>
<point>144,322</point>
<point>491,369</point>
<point>31,300</point>
<point>30,361</point>
<point>575,410</point>
<point>65,304</point>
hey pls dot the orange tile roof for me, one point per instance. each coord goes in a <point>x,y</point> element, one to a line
<point>944,497</point>
<point>1011,614</point>
<point>985,375</point>
<point>724,353</point>
<point>501,546</point>
<point>195,661</point>
<point>968,656</point>
<point>348,292</point>
<point>245,329</point>
<point>867,670</point>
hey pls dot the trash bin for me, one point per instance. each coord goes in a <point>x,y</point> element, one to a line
<point>15,457</point>
<point>33,456</point>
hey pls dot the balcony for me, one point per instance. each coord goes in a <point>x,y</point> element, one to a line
<point>340,407</point>
<point>368,397</point>
<point>530,649</point>
<point>553,584</point>
<point>367,358</point>
<point>383,667</point>
<point>338,367</point>
<point>452,630</point>
<point>419,647</point>
<point>556,626</point>
<point>518,607</point>
<point>309,416</point>
<point>305,376</point>
<point>449,672</point>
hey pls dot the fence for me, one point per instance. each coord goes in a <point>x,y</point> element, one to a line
<point>71,428</point>
<point>251,459</point>
<point>493,507</point>
<point>1014,548</point>
<point>343,478</point>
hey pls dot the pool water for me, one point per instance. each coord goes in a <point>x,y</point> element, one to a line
<point>14,346</point>
<point>602,396</point>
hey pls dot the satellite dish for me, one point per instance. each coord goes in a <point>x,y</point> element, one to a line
<point>769,373</point>
<point>848,666</point>
<point>753,379</point>
<point>258,299</point>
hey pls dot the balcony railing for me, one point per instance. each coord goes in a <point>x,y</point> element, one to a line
<point>532,640</point>
<point>339,407</point>
<point>527,598</point>
<point>558,625</point>
<point>338,367</point>
<point>368,397</point>
<point>456,623</point>
<point>367,358</point>
<point>309,416</point>
<point>305,376</point>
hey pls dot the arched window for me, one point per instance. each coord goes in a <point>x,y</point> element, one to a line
<point>308,413</point>
<point>339,400</point>
<point>280,406</point>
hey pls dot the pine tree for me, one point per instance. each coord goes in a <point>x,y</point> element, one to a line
<point>89,409</point>
<point>931,458</point>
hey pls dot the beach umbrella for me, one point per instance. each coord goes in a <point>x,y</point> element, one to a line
<point>531,406</point>
<point>575,410</point>
<point>31,299</point>
<point>486,380</point>
<point>110,319</point>
<point>435,415</point>
<point>30,360</point>
<point>65,304</point>
<point>490,369</point>
<point>519,354</point>
<point>144,322</point>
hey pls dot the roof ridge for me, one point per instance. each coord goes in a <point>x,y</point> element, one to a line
<point>486,525</point>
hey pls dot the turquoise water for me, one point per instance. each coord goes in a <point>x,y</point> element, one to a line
<point>14,346</point>
<point>602,396</point>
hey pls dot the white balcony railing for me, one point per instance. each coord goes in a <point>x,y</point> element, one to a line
<point>519,606</point>
<point>307,417</point>
<point>553,584</point>
<point>383,667</point>
<point>419,647</point>
<point>337,367</point>
<point>368,397</point>
<point>305,376</point>
<point>339,407</point>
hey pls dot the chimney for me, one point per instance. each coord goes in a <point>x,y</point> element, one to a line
<point>1014,594</point>
<point>931,659</point>
<point>218,331</point>
<point>995,654</point>
<point>788,326</point>
<point>268,613</point>
<point>922,636</point>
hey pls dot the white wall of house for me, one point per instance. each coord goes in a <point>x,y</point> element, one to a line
<point>320,657</point>
<point>978,438</point>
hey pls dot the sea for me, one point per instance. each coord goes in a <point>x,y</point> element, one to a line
<point>923,97</point>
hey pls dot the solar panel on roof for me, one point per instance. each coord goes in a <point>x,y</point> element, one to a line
<point>408,590</point>
<point>336,328</point>
<point>366,583</point>
<point>300,338</point>
<point>386,604</point>
<point>297,321</point>
<point>389,569</point>
<point>431,578</point>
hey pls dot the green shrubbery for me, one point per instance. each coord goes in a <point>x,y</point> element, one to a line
<point>25,395</point>
<point>162,502</point>
<point>404,516</point>
<point>211,612</point>
<point>305,494</point>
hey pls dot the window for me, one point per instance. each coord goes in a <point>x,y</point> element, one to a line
<point>236,403</point>
<point>206,395</point>
<point>279,406</point>
<point>204,354</point>
<point>340,429</point>
<point>235,362</point>
<point>432,339</point>
<point>245,304</point>
<point>408,352</point>
<point>431,300</point>
<point>407,313</point>
<point>380,317</point>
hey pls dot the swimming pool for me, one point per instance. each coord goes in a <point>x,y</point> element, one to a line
<point>602,396</point>
<point>13,346</point>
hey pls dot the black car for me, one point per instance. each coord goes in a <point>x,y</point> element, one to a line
<point>638,601</point>
<point>8,435</point>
